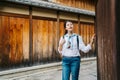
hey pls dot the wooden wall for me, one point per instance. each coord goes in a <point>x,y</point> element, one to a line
<point>83,4</point>
<point>15,35</point>
<point>14,46</point>
<point>44,40</point>
<point>14,38</point>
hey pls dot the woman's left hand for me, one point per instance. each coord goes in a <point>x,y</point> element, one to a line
<point>92,39</point>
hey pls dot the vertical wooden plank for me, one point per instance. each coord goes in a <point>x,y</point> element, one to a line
<point>84,34</point>
<point>88,33</point>
<point>62,30</point>
<point>79,3</point>
<point>25,40</point>
<point>19,38</point>
<point>50,42</point>
<point>5,41</point>
<point>75,28</point>
<point>13,43</point>
<point>92,5</point>
<point>45,40</point>
<point>58,32</point>
<point>72,3</point>
<point>94,44</point>
<point>87,36</point>
<point>30,36</point>
<point>65,2</point>
<point>69,2</point>
<point>38,42</point>
<point>35,39</point>
<point>81,30</point>
<point>55,40</point>
<point>40,38</point>
<point>84,5</point>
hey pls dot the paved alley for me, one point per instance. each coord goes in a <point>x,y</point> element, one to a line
<point>88,71</point>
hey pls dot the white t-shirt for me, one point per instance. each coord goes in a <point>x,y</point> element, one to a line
<point>70,47</point>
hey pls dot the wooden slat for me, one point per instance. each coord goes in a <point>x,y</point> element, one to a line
<point>41,23</point>
<point>45,40</point>
<point>5,48</point>
<point>75,28</point>
<point>62,30</point>
<point>35,39</point>
<point>19,38</point>
<point>50,41</point>
<point>55,40</point>
<point>25,39</point>
<point>40,52</point>
<point>12,39</point>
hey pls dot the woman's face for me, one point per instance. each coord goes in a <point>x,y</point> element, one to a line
<point>69,26</point>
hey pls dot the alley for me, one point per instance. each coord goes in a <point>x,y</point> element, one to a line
<point>88,72</point>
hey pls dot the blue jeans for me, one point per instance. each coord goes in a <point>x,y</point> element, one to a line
<point>70,65</point>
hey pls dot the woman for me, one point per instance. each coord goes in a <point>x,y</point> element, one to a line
<point>69,46</point>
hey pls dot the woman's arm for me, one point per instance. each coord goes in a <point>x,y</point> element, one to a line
<point>92,39</point>
<point>61,43</point>
<point>82,46</point>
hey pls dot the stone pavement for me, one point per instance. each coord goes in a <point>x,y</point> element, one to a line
<point>88,71</point>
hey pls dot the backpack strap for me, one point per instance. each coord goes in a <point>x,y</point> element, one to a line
<point>78,42</point>
<point>63,36</point>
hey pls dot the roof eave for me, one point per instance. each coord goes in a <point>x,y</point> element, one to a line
<point>50,5</point>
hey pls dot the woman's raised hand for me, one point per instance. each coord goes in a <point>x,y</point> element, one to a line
<point>92,39</point>
<point>62,42</point>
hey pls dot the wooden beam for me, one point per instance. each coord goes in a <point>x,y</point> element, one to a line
<point>58,29</point>
<point>106,39</point>
<point>30,36</point>
<point>117,31</point>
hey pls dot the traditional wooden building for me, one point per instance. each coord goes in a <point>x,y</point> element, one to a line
<point>30,29</point>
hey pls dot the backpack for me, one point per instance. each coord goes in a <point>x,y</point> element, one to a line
<point>77,41</point>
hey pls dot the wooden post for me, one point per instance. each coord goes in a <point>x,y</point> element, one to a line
<point>117,21</point>
<point>30,36</point>
<point>58,29</point>
<point>107,39</point>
